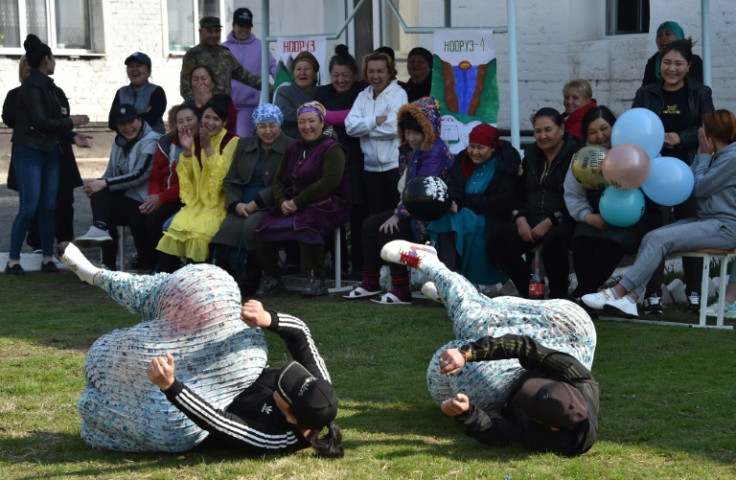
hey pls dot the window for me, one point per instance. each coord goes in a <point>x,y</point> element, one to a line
<point>64,25</point>
<point>183,20</point>
<point>627,16</point>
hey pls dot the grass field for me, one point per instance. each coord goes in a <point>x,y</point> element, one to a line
<point>667,397</point>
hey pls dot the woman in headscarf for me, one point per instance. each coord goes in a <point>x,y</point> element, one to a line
<point>669,32</point>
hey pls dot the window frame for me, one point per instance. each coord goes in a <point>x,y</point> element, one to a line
<point>225,6</point>
<point>95,15</point>
<point>642,11</point>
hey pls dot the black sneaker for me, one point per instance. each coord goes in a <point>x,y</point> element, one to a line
<point>316,287</point>
<point>270,286</point>
<point>14,270</point>
<point>653,305</point>
<point>693,302</point>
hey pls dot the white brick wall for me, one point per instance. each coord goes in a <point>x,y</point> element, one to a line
<point>557,41</point>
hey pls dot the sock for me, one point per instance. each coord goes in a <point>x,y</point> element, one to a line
<point>371,278</point>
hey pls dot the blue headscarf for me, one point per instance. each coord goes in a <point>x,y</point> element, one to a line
<point>268,112</point>
<point>675,28</point>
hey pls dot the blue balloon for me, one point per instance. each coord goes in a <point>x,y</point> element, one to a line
<point>639,126</point>
<point>621,208</point>
<point>670,181</point>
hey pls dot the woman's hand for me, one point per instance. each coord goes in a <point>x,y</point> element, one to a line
<point>93,186</point>
<point>453,207</point>
<point>245,209</point>
<point>456,405</point>
<point>671,139</point>
<point>161,371</point>
<point>151,203</point>
<point>524,230</point>
<point>541,229</point>
<point>451,361</point>
<point>596,220</point>
<point>705,144</point>
<point>380,120</point>
<point>254,315</point>
<point>205,141</point>
<point>390,226</point>
<point>288,207</point>
<point>186,140</point>
<point>82,141</point>
<point>78,120</point>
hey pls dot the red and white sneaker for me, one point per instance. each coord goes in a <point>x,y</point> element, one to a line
<point>77,262</point>
<point>408,253</point>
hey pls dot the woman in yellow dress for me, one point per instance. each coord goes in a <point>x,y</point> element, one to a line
<point>203,164</point>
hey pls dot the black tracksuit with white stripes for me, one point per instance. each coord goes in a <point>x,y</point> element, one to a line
<point>253,421</point>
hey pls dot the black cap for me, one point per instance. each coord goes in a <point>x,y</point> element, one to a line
<point>124,113</point>
<point>313,400</point>
<point>552,403</point>
<point>139,57</point>
<point>207,22</point>
<point>243,17</point>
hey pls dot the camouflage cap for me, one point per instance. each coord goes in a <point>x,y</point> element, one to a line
<point>207,22</point>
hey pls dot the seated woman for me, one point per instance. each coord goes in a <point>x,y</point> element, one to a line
<point>714,226</point>
<point>116,197</point>
<point>163,200</point>
<point>597,247</point>
<point>147,98</point>
<point>202,80</point>
<point>249,197</point>
<point>578,99</point>
<point>481,183</point>
<point>312,198</point>
<point>203,164</point>
<point>538,211</point>
<point>421,153</point>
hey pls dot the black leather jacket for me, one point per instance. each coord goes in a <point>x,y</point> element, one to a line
<point>700,100</point>
<point>41,120</point>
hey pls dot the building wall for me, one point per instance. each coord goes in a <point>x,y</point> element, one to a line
<point>557,41</point>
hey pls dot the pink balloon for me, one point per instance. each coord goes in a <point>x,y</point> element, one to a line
<point>626,166</point>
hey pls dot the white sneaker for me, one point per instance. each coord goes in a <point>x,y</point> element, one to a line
<point>607,297</point>
<point>94,237</point>
<point>729,310</point>
<point>407,253</point>
<point>77,262</point>
<point>429,290</point>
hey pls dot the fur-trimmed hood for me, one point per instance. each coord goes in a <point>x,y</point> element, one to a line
<point>426,111</point>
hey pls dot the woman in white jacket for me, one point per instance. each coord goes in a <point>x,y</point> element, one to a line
<point>373,119</point>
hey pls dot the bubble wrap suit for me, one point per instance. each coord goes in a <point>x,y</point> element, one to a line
<point>193,313</point>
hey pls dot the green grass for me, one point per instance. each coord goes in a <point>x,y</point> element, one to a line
<point>667,397</point>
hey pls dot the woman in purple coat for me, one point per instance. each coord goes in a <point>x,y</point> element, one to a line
<point>421,153</point>
<point>312,199</point>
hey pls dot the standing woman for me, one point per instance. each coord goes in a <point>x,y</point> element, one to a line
<point>669,32</point>
<point>249,197</point>
<point>203,164</point>
<point>289,97</point>
<point>539,214</point>
<point>202,81</point>
<point>373,119</point>
<point>147,98</point>
<point>680,102</point>
<point>40,124</point>
<point>338,97</point>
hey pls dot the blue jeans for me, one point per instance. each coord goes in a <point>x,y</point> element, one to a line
<point>37,176</point>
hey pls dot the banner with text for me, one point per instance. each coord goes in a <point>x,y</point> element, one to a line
<point>464,82</point>
<point>288,48</point>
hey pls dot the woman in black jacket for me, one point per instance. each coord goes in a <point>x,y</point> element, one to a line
<point>41,122</point>
<point>539,214</point>
<point>481,183</point>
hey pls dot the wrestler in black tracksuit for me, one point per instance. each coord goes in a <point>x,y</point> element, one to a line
<point>514,426</point>
<point>253,421</point>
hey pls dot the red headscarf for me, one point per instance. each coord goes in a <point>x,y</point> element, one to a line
<point>482,134</point>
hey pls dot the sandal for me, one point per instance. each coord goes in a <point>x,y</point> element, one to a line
<point>390,299</point>
<point>360,292</point>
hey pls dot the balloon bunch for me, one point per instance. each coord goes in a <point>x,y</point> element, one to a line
<point>633,162</point>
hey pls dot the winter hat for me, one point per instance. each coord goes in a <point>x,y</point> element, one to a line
<point>484,134</point>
